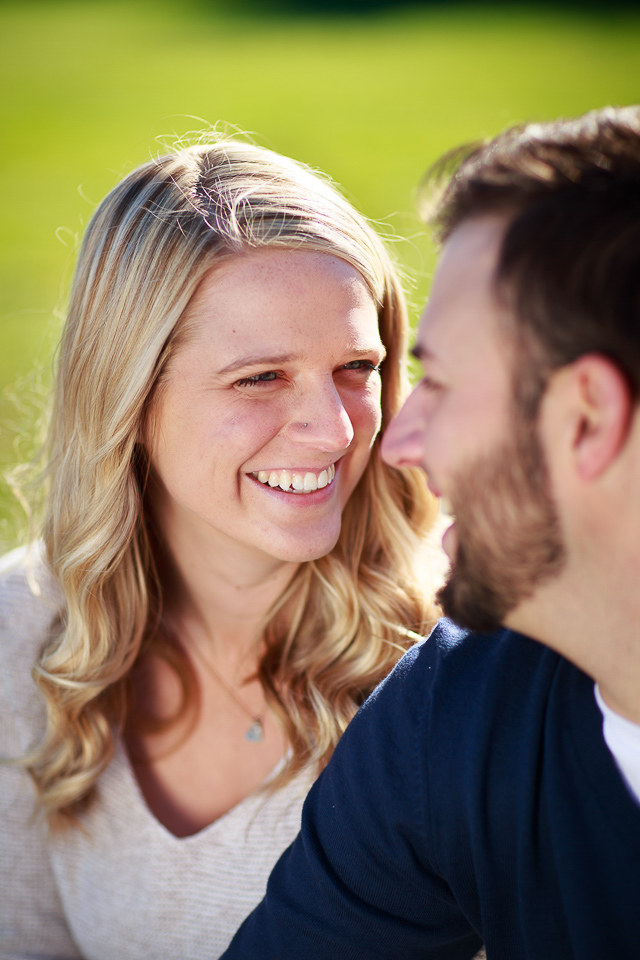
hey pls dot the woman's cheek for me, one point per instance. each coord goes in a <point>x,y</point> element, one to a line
<point>372,412</point>
<point>259,420</point>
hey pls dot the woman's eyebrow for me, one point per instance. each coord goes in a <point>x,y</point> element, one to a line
<point>249,361</point>
<point>377,348</point>
<point>275,359</point>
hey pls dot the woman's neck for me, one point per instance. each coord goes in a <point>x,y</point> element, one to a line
<point>219,595</point>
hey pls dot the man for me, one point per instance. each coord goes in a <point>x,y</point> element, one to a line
<point>476,797</point>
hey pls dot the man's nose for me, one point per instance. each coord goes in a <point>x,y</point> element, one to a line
<point>403,440</point>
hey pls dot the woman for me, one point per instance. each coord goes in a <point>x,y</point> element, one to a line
<point>228,567</point>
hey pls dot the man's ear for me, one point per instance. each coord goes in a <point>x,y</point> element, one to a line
<point>603,410</point>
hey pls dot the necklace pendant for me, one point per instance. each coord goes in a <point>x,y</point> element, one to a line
<point>255,733</point>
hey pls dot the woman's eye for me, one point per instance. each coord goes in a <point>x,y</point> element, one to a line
<point>365,365</point>
<point>267,377</point>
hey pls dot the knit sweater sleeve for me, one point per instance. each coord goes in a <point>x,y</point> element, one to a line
<point>361,882</point>
<point>32,922</point>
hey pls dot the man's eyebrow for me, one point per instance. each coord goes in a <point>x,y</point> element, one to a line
<point>421,353</point>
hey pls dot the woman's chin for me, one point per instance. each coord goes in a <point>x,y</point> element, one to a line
<point>304,549</point>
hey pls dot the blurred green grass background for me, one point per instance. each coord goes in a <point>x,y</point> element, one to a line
<point>90,89</point>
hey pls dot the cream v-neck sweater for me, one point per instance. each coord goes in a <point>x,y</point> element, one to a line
<point>124,888</point>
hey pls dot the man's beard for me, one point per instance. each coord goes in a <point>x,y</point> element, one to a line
<point>508,532</point>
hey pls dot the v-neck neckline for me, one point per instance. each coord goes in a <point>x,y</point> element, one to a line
<point>122,761</point>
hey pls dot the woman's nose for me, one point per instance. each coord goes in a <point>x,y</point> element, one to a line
<point>321,421</point>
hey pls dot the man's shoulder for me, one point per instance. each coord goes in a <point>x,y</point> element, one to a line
<point>461,722</point>
<point>457,687</point>
<point>453,655</point>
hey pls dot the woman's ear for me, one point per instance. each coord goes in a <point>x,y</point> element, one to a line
<point>603,406</point>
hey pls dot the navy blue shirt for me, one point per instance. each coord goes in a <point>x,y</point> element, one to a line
<point>472,800</point>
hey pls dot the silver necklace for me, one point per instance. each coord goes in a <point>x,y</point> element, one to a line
<point>255,733</point>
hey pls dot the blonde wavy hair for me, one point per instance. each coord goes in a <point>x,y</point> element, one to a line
<point>341,623</point>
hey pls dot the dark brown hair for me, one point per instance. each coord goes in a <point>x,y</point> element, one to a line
<point>569,265</point>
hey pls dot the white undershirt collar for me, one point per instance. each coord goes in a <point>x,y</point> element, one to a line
<point>622,736</point>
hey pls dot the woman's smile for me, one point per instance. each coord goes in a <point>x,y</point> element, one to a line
<point>292,480</point>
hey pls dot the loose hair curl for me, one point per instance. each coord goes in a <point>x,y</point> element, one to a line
<point>339,626</point>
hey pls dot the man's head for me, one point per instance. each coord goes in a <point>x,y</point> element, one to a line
<point>540,276</point>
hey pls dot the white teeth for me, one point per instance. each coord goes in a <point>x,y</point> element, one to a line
<point>310,482</point>
<point>285,480</point>
<point>301,483</point>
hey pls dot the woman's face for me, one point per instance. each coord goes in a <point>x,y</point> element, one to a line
<point>270,407</point>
